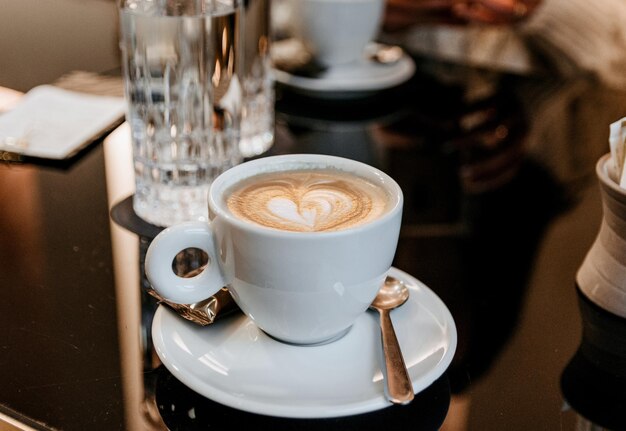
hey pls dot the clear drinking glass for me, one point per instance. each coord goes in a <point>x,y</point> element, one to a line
<point>182,68</point>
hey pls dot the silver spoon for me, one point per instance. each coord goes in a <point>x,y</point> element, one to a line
<point>392,294</point>
<point>384,54</point>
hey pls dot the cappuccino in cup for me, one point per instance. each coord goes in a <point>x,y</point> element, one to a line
<point>307,200</point>
<point>303,243</point>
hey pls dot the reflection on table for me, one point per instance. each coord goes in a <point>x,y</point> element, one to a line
<point>500,208</point>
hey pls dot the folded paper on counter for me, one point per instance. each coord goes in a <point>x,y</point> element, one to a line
<point>53,123</point>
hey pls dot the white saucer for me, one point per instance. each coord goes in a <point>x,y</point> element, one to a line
<point>236,364</point>
<point>351,80</point>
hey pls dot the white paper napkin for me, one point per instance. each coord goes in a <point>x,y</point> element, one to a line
<point>617,139</point>
<point>53,123</point>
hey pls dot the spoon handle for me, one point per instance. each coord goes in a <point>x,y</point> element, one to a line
<point>399,387</point>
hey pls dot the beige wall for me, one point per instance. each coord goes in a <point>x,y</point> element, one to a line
<point>41,40</point>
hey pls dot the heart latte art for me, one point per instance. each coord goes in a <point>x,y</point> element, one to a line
<point>307,201</point>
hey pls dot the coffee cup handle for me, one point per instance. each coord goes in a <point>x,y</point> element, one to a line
<point>164,249</point>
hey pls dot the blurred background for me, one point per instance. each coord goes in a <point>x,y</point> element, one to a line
<point>42,40</point>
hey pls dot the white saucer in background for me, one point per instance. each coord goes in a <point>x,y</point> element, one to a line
<point>236,364</point>
<point>356,79</point>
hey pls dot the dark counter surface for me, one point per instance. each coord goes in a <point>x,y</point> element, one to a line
<point>501,206</point>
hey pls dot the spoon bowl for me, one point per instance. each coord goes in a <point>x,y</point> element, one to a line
<point>399,389</point>
<point>392,294</point>
<point>384,54</point>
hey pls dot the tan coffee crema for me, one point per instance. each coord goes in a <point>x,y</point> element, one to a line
<point>307,200</point>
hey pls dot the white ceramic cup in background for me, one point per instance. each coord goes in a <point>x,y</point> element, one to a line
<point>336,31</point>
<point>299,287</point>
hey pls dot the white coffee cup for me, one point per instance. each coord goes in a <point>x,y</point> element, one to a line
<point>336,31</point>
<point>299,287</point>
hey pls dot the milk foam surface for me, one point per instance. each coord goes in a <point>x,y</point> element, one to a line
<point>307,200</point>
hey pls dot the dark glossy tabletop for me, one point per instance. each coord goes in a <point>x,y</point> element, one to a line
<point>501,206</point>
